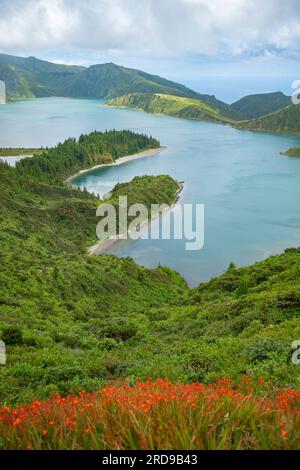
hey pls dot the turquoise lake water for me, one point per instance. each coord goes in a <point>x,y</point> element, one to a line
<point>251,193</point>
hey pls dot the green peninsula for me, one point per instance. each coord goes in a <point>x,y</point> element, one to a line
<point>292,152</point>
<point>177,106</point>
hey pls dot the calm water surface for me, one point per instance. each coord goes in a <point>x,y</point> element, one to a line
<point>251,193</point>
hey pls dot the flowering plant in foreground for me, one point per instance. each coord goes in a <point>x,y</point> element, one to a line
<point>159,415</point>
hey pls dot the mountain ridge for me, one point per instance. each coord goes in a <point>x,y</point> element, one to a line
<point>260,104</point>
<point>29,77</point>
<point>286,120</point>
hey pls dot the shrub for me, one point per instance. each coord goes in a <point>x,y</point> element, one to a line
<point>243,287</point>
<point>262,348</point>
<point>119,330</point>
<point>12,335</point>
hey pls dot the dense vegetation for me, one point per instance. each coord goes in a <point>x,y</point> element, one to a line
<point>173,106</point>
<point>159,415</point>
<point>145,190</point>
<point>61,310</point>
<point>74,321</point>
<point>284,120</point>
<point>71,156</point>
<point>292,152</point>
<point>253,106</point>
<point>14,152</point>
<point>111,80</point>
<point>30,77</point>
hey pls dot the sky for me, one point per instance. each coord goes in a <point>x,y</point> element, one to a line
<point>229,46</point>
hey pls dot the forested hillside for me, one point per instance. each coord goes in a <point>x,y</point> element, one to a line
<point>254,106</point>
<point>56,164</point>
<point>75,321</point>
<point>62,311</point>
<point>28,77</point>
<point>284,120</point>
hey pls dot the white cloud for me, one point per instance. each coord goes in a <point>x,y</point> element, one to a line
<point>151,27</point>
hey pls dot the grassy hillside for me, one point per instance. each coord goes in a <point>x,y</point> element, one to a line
<point>75,321</point>
<point>111,80</point>
<point>62,312</point>
<point>254,106</point>
<point>172,105</point>
<point>285,120</point>
<point>30,77</point>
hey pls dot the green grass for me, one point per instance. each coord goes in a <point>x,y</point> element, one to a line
<point>286,120</point>
<point>30,77</point>
<point>62,311</point>
<point>254,106</point>
<point>171,105</point>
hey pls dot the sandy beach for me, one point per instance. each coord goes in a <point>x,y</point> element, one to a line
<point>120,161</point>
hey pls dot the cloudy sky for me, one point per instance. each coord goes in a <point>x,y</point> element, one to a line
<point>186,40</point>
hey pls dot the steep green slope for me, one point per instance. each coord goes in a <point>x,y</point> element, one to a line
<point>243,322</point>
<point>61,310</point>
<point>29,77</point>
<point>254,106</point>
<point>71,320</point>
<point>171,105</point>
<point>284,120</point>
<point>110,80</point>
<point>76,321</point>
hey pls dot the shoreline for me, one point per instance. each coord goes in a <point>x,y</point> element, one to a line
<point>102,245</point>
<point>232,124</point>
<point>119,161</point>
